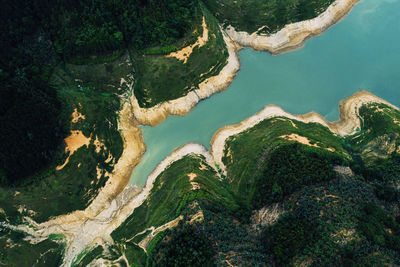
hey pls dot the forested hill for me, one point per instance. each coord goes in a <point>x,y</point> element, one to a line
<point>84,28</point>
<point>37,35</point>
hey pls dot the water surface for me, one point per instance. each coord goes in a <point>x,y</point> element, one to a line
<point>361,52</point>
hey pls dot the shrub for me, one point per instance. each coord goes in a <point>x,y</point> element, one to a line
<point>289,236</point>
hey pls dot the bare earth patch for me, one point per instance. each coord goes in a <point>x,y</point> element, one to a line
<point>191,178</point>
<point>266,216</point>
<point>154,231</point>
<point>303,140</point>
<point>185,52</point>
<point>343,170</point>
<point>202,167</point>
<point>73,142</point>
<point>344,236</point>
<point>76,116</point>
<point>99,144</point>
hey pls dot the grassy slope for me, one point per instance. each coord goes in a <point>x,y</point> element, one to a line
<point>171,196</point>
<point>94,86</point>
<point>160,79</point>
<point>90,90</point>
<point>14,251</point>
<point>258,141</point>
<point>334,208</point>
<point>171,193</point>
<point>379,136</point>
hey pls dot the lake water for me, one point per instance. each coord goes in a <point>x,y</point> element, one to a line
<point>360,52</point>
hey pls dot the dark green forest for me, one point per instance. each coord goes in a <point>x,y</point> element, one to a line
<point>187,246</point>
<point>289,167</point>
<point>329,220</point>
<point>38,35</point>
<point>331,211</point>
<point>338,201</point>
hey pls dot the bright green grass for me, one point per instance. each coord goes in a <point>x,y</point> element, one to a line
<point>377,121</point>
<point>172,192</point>
<point>376,147</point>
<point>256,143</point>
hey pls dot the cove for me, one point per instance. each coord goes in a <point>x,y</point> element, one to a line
<point>360,52</point>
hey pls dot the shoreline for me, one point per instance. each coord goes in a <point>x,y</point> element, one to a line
<point>93,225</point>
<point>347,124</point>
<point>183,105</point>
<point>116,201</point>
<point>293,36</point>
<point>134,149</point>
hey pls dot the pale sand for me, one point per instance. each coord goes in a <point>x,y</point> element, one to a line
<point>114,203</point>
<point>73,142</point>
<point>303,140</point>
<point>77,140</point>
<point>293,36</point>
<point>154,231</point>
<point>98,144</point>
<point>76,116</point>
<point>185,52</point>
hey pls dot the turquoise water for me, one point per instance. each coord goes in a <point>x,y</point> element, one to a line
<point>361,52</point>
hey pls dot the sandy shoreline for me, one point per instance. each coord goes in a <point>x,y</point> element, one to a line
<point>293,36</point>
<point>347,124</point>
<point>183,105</point>
<point>109,212</point>
<point>116,201</point>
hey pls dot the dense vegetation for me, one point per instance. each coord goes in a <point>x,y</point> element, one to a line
<point>289,167</point>
<point>270,16</point>
<point>326,218</point>
<point>16,251</point>
<point>327,215</point>
<point>28,139</point>
<point>379,227</point>
<point>82,29</point>
<point>35,35</point>
<point>281,236</point>
<point>186,246</point>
